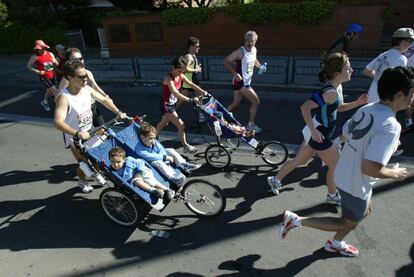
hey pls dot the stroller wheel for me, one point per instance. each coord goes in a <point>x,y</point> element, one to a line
<point>119,207</point>
<point>274,153</point>
<point>217,156</point>
<point>203,198</point>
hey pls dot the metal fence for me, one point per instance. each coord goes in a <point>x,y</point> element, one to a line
<point>282,70</point>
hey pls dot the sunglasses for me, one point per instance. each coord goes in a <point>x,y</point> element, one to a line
<point>78,59</point>
<point>82,77</point>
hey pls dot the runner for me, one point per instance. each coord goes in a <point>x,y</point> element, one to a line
<point>319,130</point>
<point>245,60</point>
<point>192,70</point>
<point>61,58</point>
<point>371,137</point>
<point>73,115</point>
<point>342,43</point>
<point>75,54</point>
<point>170,94</point>
<point>401,40</point>
<point>44,62</point>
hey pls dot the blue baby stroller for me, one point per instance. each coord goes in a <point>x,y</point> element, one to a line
<point>126,204</point>
<point>228,132</point>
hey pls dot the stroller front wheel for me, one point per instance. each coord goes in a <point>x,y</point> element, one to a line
<point>217,156</point>
<point>274,153</point>
<point>203,198</point>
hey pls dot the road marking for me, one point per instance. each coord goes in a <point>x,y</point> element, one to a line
<point>17,98</point>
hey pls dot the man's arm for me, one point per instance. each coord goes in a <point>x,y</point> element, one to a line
<point>230,59</point>
<point>369,73</point>
<point>378,170</point>
<point>61,110</point>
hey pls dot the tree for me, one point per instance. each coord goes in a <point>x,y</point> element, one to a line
<point>3,13</point>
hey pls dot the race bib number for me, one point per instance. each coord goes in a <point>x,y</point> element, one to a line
<point>48,66</point>
<point>250,68</point>
<point>85,121</point>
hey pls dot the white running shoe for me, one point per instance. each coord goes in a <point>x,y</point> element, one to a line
<point>274,185</point>
<point>289,222</point>
<point>344,249</point>
<point>336,199</point>
<point>84,186</point>
<point>189,149</point>
<point>253,127</point>
<point>99,179</point>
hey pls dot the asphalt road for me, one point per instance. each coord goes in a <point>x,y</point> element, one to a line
<point>49,228</point>
<point>279,113</point>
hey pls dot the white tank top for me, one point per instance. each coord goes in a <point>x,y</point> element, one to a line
<point>79,114</point>
<point>245,66</point>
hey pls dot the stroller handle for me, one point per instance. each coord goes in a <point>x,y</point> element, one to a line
<point>108,124</point>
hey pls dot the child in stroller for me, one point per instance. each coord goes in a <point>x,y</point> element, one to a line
<point>135,171</point>
<point>151,150</point>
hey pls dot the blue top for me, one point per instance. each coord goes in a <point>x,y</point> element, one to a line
<point>131,167</point>
<point>326,113</point>
<point>155,152</point>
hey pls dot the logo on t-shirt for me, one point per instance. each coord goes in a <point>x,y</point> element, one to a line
<point>357,134</point>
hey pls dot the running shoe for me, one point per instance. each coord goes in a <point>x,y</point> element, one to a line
<point>343,249</point>
<point>84,186</point>
<point>99,179</point>
<point>336,199</point>
<point>168,194</point>
<point>275,186</point>
<point>159,193</point>
<point>45,105</point>
<point>290,222</point>
<point>190,166</point>
<point>253,127</point>
<point>189,149</point>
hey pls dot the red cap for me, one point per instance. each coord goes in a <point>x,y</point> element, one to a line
<point>40,44</point>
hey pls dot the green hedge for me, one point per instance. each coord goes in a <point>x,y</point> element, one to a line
<point>19,39</point>
<point>306,12</point>
<point>183,16</point>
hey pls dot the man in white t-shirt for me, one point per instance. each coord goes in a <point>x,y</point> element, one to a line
<point>372,136</point>
<point>401,40</point>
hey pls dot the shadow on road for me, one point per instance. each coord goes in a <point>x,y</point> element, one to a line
<point>56,175</point>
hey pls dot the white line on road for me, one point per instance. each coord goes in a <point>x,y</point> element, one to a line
<point>17,98</point>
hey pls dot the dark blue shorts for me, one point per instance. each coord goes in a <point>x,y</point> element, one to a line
<point>327,141</point>
<point>354,208</point>
<point>164,108</point>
